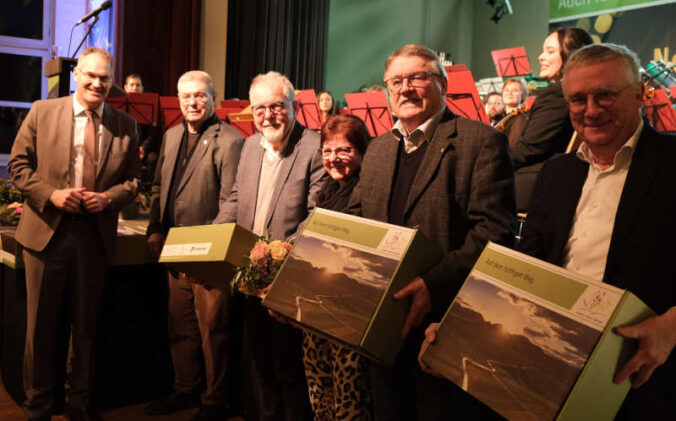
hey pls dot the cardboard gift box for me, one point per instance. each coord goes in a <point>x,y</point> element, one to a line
<point>535,341</point>
<point>132,246</point>
<point>339,278</point>
<point>209,253</point>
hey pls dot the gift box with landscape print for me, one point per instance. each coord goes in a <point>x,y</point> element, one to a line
<point>339,278</point>
<point>534,341</point>
<point>209,253</point>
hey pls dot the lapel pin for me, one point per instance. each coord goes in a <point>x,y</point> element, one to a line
<point>442,150</point>
<point>204,141</point>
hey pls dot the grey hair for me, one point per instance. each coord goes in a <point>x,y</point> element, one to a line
<point>417,50</point>
<point>600,53</point>
<point>198,75</point>
<point>274,77</point>
<point>100,51</point>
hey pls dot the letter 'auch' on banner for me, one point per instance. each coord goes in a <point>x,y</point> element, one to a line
<point>339,278</point>
<point>535,341</point>
<point>209,253</point>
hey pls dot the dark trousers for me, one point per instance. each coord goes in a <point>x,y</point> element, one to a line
<point>70,272</point>
<point>404,392</point>
<point>198,334</point>
<point>277,373</point>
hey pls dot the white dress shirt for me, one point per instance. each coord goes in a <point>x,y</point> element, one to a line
<point>411,140</point>
<point>589,240</point>
<point>270,166</point>
<point>77,155</point>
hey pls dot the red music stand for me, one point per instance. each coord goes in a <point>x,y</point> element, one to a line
<point>462,96</point>
<point>529,102</point>
<point>171,111</point>
<point>221,113</point>
<point>373,109</point>
<point>235,103</point>
<point>308,111</point>
<point>231,110</point>
<point>142,106</point>
<point>456,68</point>
<point>511,62</point>
<point>659,112</point>
<point>243,122</point>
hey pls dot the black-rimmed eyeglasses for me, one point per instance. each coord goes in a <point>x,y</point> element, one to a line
<point>603,98</point>
<point>415,80</point>
<point>275,108</point>
<point>341,152</point>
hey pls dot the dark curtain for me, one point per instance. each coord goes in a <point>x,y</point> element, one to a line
<point>289,36</point>
<point>185,41</point>
<point>160,41</point>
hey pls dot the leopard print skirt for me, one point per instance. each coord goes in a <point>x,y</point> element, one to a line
<point>337,380</point>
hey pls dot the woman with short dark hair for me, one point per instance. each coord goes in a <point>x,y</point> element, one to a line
<point>337,376</point>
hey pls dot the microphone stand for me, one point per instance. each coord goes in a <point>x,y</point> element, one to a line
<point>96,19</point>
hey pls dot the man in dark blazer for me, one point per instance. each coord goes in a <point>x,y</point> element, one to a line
<point>280,173</point>
<point>196,170</point>
<point>608,212</point>
<point>451,177</point>
<point>75,159</point>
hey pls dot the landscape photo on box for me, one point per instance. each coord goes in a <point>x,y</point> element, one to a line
<point>338,293</point>
<point>518,357</point>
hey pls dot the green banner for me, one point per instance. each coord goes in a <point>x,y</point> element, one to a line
<point>648,31</point>
<point>540,281</point>
<point>346,229</point>
<point>568,9</point>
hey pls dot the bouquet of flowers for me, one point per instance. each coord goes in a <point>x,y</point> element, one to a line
<point>10,214</point>
<point>10,203</point>
<point>260,267</point>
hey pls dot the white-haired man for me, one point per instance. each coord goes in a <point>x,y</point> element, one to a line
<point>196,170</point>
<point>280,173</point>
<point>608,212</point>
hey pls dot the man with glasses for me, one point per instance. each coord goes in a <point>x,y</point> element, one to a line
<point>279,176</point>
<point>607,211</point>
<point>452,178</point>
<point>196,171</point>
<point>75,159</point>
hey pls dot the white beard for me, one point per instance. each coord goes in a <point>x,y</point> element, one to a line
<point>273,136</point>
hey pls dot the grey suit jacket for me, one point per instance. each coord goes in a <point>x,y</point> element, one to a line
<point>300,179</point>
<point>40,164</point>
<point>207,180</point>
<point>461,197</point>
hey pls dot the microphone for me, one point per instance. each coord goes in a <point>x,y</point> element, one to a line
<point>104,6</point>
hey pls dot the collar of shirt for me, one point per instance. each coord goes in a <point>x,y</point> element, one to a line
<point>205,125</point>
<point>270,152</point>
<point>426,129</point>
<point>622,156</point>
<point>79,109</point>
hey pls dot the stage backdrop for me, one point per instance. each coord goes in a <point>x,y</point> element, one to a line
<point>647,27</point>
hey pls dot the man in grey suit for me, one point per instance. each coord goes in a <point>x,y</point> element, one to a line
<point>196,170</point>
<point>75,159</point>
<point>452,178</point>
<point>280,173</point>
